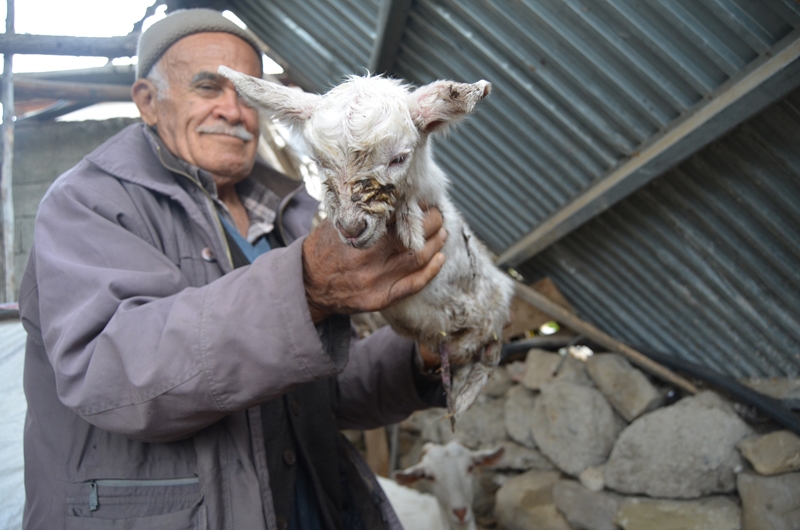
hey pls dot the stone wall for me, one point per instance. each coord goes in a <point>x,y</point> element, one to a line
<point>42,152</point>
<point>596,444</point>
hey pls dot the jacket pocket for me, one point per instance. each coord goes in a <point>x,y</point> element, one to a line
<point>171,504</point>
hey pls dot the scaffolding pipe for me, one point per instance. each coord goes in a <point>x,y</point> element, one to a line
<point>6,196</point>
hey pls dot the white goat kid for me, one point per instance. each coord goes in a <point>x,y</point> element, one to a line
<point>369,137</point>
<point>450,470</point>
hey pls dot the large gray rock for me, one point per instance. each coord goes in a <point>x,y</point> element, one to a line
<point>575,426</point>
<point>518,414</point>
<point>584,509</point>
<point>774,453</point>
<point>498,383</point>
<point>482,425</point>
<point>625,387</point>
<point>525,502</point>
<point>784,389</point>
<point>592,479</point>
<point>543,367</point>
<point>517,457</point>
<point>713,513</point>
<point>421,419</point>
<point>770,502</point>
<point>683,451</point>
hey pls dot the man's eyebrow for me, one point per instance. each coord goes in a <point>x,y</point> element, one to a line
<point>206,76</point>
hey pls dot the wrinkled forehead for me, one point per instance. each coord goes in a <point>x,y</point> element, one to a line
<point>363,118</point>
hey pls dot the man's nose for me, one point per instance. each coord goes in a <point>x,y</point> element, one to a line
<point>230,106</point>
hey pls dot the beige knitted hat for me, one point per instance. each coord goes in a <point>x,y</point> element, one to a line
<point>179,24</point>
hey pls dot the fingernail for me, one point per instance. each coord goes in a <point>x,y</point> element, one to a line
<point>439,258</point>
<point>443,234</point>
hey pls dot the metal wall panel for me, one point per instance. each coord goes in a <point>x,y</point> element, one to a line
<point>579,85</point>
<point>321,40</point>
<point>701,263</point>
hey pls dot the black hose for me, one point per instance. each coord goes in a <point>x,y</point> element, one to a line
<point>768,406</point>
<point>513,351</point>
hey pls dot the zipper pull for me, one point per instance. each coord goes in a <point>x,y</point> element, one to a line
<point>94,503</point>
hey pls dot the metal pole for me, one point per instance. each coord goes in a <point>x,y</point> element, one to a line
<point>8,160</point>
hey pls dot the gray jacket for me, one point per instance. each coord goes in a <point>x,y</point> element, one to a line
<point>148,355</point>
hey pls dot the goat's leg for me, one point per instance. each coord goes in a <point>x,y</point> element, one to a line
<point>444,355</point>
<point>409,226</point>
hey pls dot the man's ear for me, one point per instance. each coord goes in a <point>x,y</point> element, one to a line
<point>145,95</point>
<point>437,105</point>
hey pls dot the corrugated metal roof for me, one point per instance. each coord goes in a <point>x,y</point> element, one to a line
<point>579,86</point>
<point>321,41</point>
<point>702,262</point>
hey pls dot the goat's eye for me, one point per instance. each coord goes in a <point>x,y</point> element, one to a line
<point>398,160</point>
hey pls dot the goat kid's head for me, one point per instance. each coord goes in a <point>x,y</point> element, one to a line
<point>450,470</point>
<point>363,135</point>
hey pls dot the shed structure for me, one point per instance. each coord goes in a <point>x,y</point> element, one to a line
<point>643,154</point>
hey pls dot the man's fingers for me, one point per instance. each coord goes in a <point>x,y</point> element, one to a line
<point>414,282</point>
<point>432,222</point>
<point>417,260</point>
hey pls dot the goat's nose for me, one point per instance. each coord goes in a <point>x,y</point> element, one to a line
<point>460,513</point>
<point>352,230</point>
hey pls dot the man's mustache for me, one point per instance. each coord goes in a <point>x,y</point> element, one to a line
<point>231,130</point>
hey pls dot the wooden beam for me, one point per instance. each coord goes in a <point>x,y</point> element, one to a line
<point>58,45</point>
<point>763,82</point>
<point>31,89</point>
<point>391,25</point>
<point>569,319</point>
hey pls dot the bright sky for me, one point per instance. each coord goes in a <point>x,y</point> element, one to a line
<point>84,18</point>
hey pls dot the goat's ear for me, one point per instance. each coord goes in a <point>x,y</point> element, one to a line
<point>291,106</point>
<point>412,474</point>
<point>441,103</point>
<point>487,457</point>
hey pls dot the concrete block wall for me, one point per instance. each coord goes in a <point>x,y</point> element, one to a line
<point>42,152</point>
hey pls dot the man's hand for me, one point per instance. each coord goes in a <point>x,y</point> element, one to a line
<point>343,280</point>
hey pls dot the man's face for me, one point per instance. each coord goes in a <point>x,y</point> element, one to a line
<point>198,116</point>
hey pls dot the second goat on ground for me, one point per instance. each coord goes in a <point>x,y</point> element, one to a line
<point>450,469</point>
<point>369,137</point>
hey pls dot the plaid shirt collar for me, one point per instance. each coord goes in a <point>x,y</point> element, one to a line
<point>260,202</point>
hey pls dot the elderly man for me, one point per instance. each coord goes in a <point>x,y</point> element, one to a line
<point>189,359</point>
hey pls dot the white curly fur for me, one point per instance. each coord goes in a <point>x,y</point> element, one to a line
<point>369,137</point>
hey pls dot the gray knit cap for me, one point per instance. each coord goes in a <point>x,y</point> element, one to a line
<point>179,24</point>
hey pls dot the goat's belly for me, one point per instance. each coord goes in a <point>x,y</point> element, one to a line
<point>466,305</point>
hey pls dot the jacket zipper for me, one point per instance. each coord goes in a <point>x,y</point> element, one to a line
<point>94,501</point>
<point>210,202</point>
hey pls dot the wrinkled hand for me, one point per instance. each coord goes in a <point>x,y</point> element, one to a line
<point>340,279</point>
